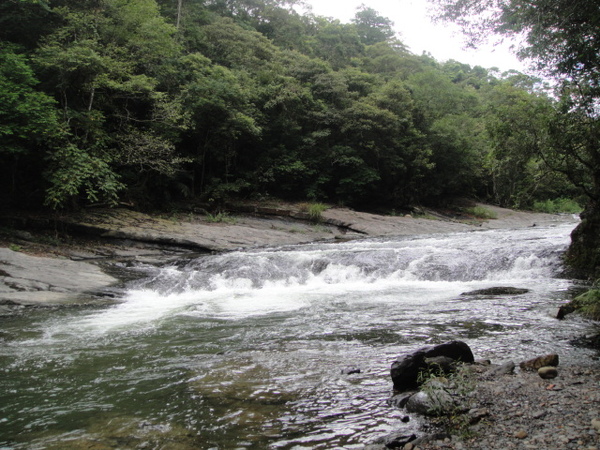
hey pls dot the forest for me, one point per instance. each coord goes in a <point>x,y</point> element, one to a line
<point>152,102</point>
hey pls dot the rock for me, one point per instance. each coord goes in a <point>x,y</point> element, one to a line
<point>405,372</point>
<point>547,372</point>
<point>395,440</point>
<point>483,362</point>
<point>431,438</point>
<point>441,364</point>
<point>500,290</point>
<point>419,403</point>
<point>400,400</point>
<point>476,414</point>
<point>350,370</point>
<point>434,402</point>
<point>522,434</point>
<point>24,235</point>
<point>507,368</point>
<point>596,424</point>
<point>34,280</point>
<point>564,310</point>
<point>538,414</point>
<point>541,361</point>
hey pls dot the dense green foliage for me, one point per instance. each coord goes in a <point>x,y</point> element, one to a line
<point>151,101</point>
<point>563,38</point>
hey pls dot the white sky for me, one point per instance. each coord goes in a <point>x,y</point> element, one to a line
<point>415,30</point>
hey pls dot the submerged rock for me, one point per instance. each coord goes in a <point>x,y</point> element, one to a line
<point>350,370</point>
<point>405,372</point>
<point>500,290</point>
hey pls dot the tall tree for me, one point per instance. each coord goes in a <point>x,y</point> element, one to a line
<point>29,125</point>
<point>371,27</point>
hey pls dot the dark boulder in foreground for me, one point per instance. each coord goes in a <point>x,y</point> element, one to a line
<point>405,371</point>
<point>501,290</point>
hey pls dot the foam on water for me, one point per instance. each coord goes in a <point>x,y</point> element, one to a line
<point>244,284</point>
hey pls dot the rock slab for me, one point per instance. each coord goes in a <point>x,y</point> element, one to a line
<point>27,279</point>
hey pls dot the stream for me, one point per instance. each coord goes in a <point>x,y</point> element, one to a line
<point>248,349</point>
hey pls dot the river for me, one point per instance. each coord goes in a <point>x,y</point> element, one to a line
<point>248,349</point>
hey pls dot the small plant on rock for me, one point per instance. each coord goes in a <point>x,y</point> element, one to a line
<point>481,212</point>
<point>314,210</point>
<point>448,394</point>
<point>220,217</point>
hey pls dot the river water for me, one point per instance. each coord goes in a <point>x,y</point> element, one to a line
<point>247,349</point>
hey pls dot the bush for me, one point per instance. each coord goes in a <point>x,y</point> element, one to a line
<point>556,206</point>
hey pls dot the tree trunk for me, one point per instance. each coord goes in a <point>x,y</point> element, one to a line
<point>179,6</point>
<point>583,254</point>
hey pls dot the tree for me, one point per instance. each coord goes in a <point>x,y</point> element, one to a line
<point>371,27</point>
<point>218,103</point>
<point>518,126</point>
<point>563,38</point>
<point>336,42</point>
<point>104,66</point>
<point>29,124</point>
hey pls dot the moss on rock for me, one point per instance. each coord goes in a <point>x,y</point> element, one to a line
<point>588,304</point>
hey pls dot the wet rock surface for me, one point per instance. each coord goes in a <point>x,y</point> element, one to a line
<point>33,280</point>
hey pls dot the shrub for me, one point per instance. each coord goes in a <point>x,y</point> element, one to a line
<point>559,205</point>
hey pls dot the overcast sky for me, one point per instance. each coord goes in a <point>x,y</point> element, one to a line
<point>419,33</point>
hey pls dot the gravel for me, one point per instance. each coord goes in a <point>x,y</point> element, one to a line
<point>524,411</point>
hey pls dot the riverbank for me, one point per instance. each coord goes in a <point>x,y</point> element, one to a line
<point>518,411</point>
<point>70,258</point>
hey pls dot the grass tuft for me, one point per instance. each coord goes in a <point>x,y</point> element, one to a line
<point>481,212</point>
